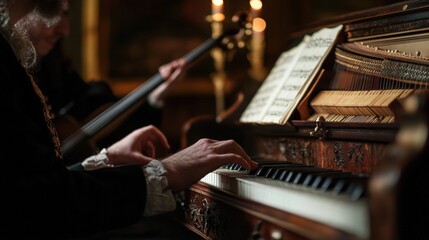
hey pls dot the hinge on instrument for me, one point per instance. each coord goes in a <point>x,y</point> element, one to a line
<point>319,131</point>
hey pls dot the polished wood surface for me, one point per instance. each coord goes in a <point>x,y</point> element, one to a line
<point>370,149</point>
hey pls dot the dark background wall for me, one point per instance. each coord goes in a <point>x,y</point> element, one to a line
<point>153,32</point>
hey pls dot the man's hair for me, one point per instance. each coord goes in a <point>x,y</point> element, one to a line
<point>49,8</point>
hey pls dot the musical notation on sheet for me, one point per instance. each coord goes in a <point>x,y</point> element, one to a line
<point>290,78</point>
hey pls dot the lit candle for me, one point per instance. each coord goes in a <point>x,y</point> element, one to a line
<point>255,8</point>
<point>257,46</point>
<point>217,8</point>
<point>258,27</point>
<point>217,18</point>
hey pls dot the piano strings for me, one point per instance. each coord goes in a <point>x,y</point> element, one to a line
<point>369,88</point>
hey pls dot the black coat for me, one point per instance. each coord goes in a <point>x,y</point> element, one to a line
<point>40,196</point>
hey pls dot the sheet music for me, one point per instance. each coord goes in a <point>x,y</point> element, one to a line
<point>260,102</point>
<point>290,78</point>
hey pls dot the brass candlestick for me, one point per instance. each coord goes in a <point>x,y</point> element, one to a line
<point>257,50</point>
<point>218,55</point>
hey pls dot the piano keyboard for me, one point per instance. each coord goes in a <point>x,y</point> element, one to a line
<point>328,196</point>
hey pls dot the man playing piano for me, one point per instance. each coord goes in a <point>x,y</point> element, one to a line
<point>41,197</point>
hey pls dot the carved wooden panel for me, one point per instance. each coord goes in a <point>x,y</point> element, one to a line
<point>214,214</point>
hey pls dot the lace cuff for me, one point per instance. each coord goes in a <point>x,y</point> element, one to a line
<point>159,197</point>
<point>97,161</point>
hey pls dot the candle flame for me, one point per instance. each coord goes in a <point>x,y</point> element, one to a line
<point>217,2</point>
<point>255,4</point>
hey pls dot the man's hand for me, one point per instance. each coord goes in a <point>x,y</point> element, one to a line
<point>172,73</point>
<point>191,164</point>
<point>139,147</point>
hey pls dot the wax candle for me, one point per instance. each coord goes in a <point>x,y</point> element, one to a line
<point>217,10</point>
<point>217,6</point>
<point>258,26</point>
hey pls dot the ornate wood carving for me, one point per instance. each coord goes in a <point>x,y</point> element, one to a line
<point>206,216</point>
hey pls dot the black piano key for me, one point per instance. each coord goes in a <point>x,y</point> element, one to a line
<point>296,174</point>
<point>308,180</point>
<point>345,184</point>
<point>270,172</point>
<point>337,184</point>
<point>238,167</point>
<point>260,171</point>
<point>264,168</point>
<point>349,184</point>
<point>262,162</point>
<point>301,177</point>
<point>324,181</point>
<point>356,189</point>
<point>283,173</point>
<point>257,170</point>
<point>315,180</point>
<point>273,172</point>
<point>228,166</point>
<point>290,176</point>
<point>233,166</point>
<point>276,174</point>
<point>311,177</point>
<point>225,166</point>
<point>329,183</point>
<point>279,172</point>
